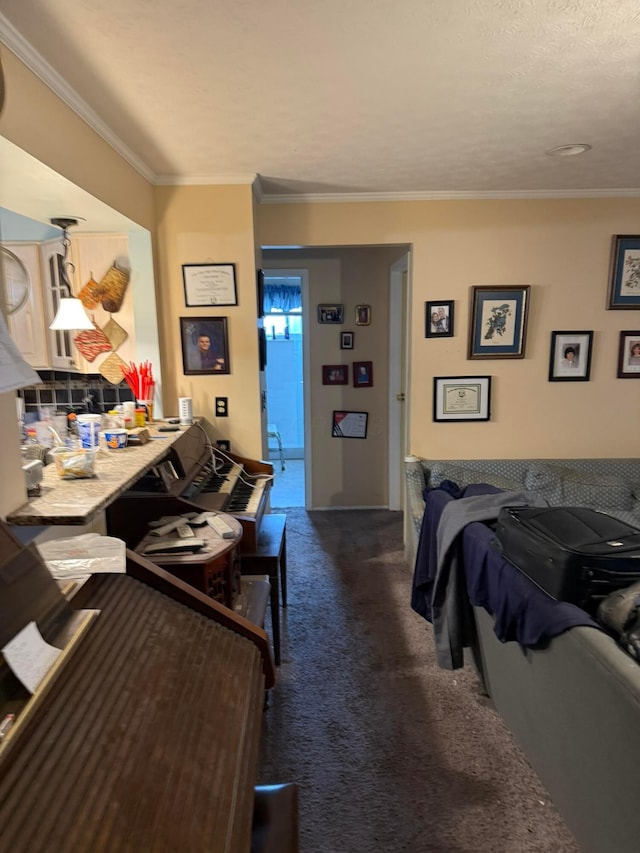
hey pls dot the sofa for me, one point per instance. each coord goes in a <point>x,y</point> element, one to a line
<point>573,702</point>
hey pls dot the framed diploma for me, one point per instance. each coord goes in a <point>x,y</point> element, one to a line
<point>461,398</point>
<point>349,424</point>
<point>209,284</point>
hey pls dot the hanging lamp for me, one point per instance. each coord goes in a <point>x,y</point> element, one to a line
<point>70,313</point>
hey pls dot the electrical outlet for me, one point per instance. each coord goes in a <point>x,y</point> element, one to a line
<point>222,407</point>
<point>224,444</point>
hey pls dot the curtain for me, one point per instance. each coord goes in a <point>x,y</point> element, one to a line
<point>282,297</point>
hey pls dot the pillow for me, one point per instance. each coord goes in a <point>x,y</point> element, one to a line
<point>545,480</point>
<point>580,488</point>
<point>465,476</point>
<point>440,471</point>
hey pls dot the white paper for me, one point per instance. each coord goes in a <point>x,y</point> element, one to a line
<point>14,371</point>
<point>29,656</point>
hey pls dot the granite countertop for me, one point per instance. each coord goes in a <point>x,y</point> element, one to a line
<point>79,501</point>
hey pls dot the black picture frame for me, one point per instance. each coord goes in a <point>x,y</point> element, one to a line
<point>349,424</point>
<point>209,285</point>
<point>260,293</point>
<point>570,356</point>
<point>347,340</point>
<point>438,318</point>
<point>624,272</point>
<point>461,398</point>
<point>629,355</point>
<point>216,359</point>
<point>335,374</point>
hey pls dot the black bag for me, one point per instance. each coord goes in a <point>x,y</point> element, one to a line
<point>574,554</point>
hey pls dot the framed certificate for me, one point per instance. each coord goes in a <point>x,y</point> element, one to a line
<point>209,284</point>
<point>349,424</point>
<point>461,398</point>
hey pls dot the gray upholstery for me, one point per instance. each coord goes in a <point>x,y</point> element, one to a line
<point>573,707</point>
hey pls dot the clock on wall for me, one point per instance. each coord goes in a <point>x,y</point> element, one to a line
<point>16,281</point>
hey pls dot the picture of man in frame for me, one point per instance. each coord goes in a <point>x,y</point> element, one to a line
<point>204,347</point>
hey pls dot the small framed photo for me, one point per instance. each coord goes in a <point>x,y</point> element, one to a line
<point>205,345</point>
<point>629,355</point>
<point>209,284</point>
<point>335,374</point>
<point>461,398</point>
<point>330,313</point>
<point>439,319</point>
<point>498,325</point>
<point>346,340</point>
<point>349,424</point>
<point>362,374</point>
<point>363,315</point>
<point>570,358</point>
<point>624,274</point>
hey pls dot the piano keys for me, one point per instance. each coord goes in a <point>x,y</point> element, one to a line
<point>148,736</point>
<point>195,475</point>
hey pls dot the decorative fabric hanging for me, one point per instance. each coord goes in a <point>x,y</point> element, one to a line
<point>282,297</point>
<point>90,294</point>
<point>113,285</point>
<point>111,368</point>
<point>115,333</point>
<point>91,343</point>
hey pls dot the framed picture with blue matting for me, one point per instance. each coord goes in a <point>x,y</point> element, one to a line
<point>498,325</point>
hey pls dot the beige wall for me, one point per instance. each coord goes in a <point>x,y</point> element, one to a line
<point>562,249</point>
<point>195,225</point>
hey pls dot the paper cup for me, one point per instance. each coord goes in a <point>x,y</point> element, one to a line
<point>115,439</point>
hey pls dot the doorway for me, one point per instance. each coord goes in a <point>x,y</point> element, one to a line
<point>284,329</point>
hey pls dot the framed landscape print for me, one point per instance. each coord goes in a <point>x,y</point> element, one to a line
<point>570,357</point>
<point>624,276</point>
<point>498,325</point>
<point>461,398</point>
<point>629,355</point>
<point>439,319</point>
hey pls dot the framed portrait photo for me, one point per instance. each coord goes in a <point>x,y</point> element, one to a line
<point>346,340</point>
<point>335,374</point>
<point>438,319</point>
<point>629,355</point>
<point>570,357</point>
<point>328,313</point>
<point>205,345</point>
<point>209,284</point>
<point>624,275</point>
<point>362,374</point>
<point>461,398</point>
<point>363,315</point>
<point>498,326</point>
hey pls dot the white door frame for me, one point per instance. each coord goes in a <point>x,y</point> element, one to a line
<point>399,287</point>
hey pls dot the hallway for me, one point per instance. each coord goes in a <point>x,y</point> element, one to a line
<point>288,485</point>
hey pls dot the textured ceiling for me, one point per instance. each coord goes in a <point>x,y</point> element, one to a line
<point>357,96</point>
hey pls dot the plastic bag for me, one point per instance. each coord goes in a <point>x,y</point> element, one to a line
<point>83,555</point>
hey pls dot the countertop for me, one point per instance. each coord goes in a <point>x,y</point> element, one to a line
<point>79,501</point>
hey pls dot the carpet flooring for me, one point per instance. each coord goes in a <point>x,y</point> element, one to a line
<point>391,753</point>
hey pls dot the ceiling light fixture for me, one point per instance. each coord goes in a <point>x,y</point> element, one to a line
<point>70,314</point>
<point>569,150</point>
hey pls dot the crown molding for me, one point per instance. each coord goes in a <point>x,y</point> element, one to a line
<point>203,180</point>
<point>337,198</point>
<point>17,44</point>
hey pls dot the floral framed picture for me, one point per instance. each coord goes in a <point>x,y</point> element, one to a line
<point>461,398</point>
<point>498,326</point>
<point>346,340</point>
<point>335,374</point>
<point>205,345</point>
<point>629,355</point>
<point>624,274</point>
<point>362,374</point>
<point>570,357</point>
<point>439,319</point>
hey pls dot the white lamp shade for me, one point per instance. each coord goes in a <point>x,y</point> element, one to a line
<point>71,315</point>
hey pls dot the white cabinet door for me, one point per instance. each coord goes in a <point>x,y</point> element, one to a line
<point>27,324</point>
<point>62,352</point>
